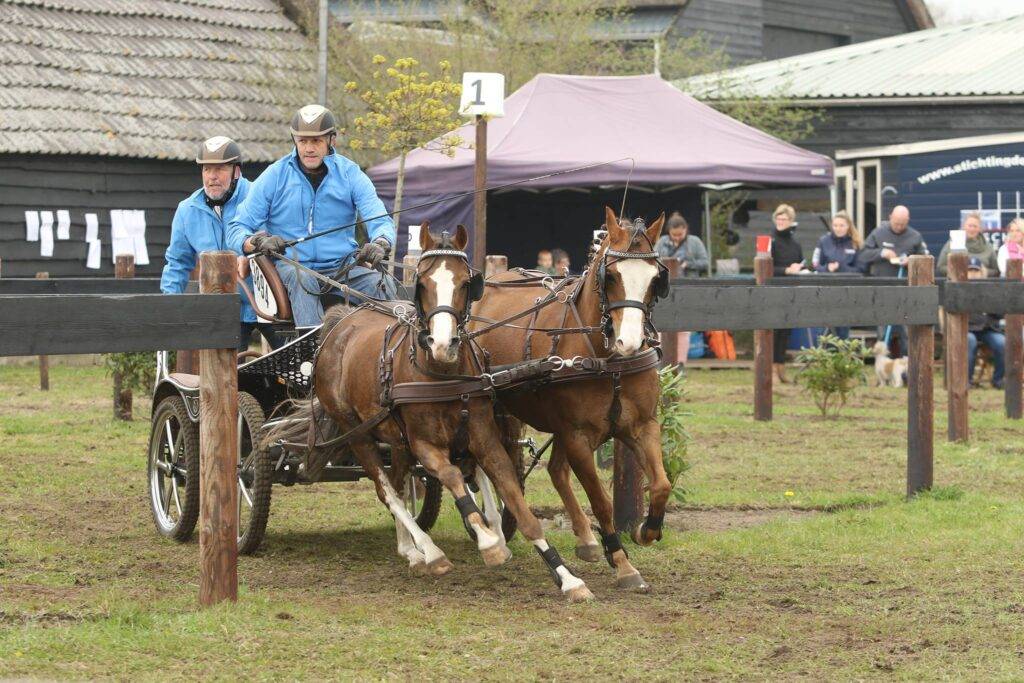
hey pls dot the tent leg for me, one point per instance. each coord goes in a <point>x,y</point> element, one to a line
<point>707,230</point>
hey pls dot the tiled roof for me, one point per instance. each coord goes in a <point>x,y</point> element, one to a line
<point>981,59</point>
<point>149,78</point>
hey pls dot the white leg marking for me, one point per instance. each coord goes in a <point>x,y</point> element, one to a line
<point>569,582</point>
<point>636,277</point>
<point>490,504</point>
<point>442,325</point>
<point>430,551</point>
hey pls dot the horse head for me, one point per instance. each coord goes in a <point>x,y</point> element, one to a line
<point>446,286</point>
<point>629,278</point>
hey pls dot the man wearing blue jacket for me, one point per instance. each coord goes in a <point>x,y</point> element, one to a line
<point>200,221</point>
<point>313,188</point>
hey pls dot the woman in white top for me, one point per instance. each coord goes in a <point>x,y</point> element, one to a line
<point>1013,245</point>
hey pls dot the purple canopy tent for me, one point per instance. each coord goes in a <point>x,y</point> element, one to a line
<point>558,122</point>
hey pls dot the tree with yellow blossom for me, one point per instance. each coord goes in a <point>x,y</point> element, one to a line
<point>406,108</point>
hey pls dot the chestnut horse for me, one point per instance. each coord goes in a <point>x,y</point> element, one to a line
<point>367,354</point>
<point>618,287</point>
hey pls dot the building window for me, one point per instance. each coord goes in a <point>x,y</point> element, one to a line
<point>781,41</point>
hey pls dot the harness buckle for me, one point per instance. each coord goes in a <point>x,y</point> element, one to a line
<point>497,379</point>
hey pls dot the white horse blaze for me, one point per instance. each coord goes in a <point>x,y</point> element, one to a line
<point>442,325</point>
<point>636,277</point>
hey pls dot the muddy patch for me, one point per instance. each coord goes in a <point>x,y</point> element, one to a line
<point>709,520</point>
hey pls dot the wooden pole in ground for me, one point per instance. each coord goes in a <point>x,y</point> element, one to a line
<point>920,388</point>
<point>670,340</point>
<point>409,274</point>
<point>1014,348</point>
<point>480,198</point>
<point>956,355</point>
<point>124,268</point>
<point>218,483</point>
<point>628,489</point>
<point>44,361</point>
<point>186,360</point>
<point>494,265</point>
<point>763,350</point>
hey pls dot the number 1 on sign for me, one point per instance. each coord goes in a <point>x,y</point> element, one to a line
<point>478,85</point>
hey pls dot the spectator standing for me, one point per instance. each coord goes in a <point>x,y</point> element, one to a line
<point>545,262</point>
<point>1013,247</point>
<point>563,267</point>
<point>984,328</point>
<point>787,259</point>
<point>977,246</point>
<point>679,244</point>
<point>886,252</point>
<point>837,253</point>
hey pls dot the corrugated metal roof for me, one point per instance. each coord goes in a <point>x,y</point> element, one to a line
<point>981,59</point>
<point>149,78</point>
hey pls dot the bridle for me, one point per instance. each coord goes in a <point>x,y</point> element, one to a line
<point>475,291</point>
<point>661,284</point>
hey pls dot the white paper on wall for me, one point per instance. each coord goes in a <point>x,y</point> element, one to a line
<point>92,227</point>
<point>121,239</point>
<point>138,231</point>
<point>46,233</point>
<point>93,259</point>
<point>63,224</point>
<point>32,226</point>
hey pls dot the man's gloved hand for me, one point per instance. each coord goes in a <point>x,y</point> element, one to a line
<point>372,253</point>
<point>271,243</point>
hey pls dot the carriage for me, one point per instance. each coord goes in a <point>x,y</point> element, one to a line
<point>269,386</point>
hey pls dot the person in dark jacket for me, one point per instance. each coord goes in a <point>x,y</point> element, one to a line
<point>837,253</point>
<point>984,328</point>
<point>787,259</point>
<point>887,251</point>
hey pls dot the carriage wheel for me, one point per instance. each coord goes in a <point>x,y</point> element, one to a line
<point>173,470</point>
<point>255,476</point>
<point>423,499</point>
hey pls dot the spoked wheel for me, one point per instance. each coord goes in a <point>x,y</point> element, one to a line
<point>173,470</point>
<point>255,476</point>
<point>423,499</point>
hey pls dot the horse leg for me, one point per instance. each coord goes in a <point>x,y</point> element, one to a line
<point>433,558</point>
<point>490,503</point>
<point>399,476</point>
<point>587,548</point>
<point>498,467</point>
<point>646,447</point>
<point>581,457</point>
<point>435,461</point>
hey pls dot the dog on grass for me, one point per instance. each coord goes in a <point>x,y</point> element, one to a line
<point>888,371</point>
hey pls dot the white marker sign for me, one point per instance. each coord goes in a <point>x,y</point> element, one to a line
<point>483,94</point>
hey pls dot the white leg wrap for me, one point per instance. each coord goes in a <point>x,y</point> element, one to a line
<point>402,517</point>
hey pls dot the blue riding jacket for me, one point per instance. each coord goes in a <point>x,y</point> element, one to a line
<point>197,227</point>
<point>283,203</point>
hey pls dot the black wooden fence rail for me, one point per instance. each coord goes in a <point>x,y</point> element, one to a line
<point>80,285</point>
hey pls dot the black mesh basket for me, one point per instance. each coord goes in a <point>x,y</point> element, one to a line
<point>292,363</point>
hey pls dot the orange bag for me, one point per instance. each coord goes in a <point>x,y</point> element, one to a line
<point>721,344</point>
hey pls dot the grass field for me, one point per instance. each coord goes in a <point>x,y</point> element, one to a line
<point>795,557</point>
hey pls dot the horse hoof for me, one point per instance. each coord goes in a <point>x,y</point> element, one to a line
<point>579,594</point>
<point>644,536</point>
<point>440,566</point>
<point>632,582</point>
<point>496,555</point>
<point>590,553</point>
<point>420,569</point>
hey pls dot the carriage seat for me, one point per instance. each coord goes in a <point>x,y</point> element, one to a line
<point>187,380</point>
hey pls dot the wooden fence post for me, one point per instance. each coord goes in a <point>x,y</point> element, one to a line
<point>956,355</point>
<point>124,268</point>
<point>763,350</point>
<point>1014,348</point>
<point>409,274</point>
<point>670,340</point>
<point>218,483</point>
<point>920,388</point>
<point>495,264</point>
<point>186,361</point>
<point>44,361</point>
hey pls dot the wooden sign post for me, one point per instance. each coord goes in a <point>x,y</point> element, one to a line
<point>218,448</point>
<point>483,97</point>
<point>1014,350</point>
<point>956,355</point>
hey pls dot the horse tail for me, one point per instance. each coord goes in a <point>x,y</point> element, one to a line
<point>304,426</point>
<point>510,430</point>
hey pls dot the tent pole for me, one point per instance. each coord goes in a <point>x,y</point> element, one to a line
<point>707,229</point>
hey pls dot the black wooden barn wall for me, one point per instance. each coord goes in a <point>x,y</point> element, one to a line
<point>755,30</point>
<point>84,184</point>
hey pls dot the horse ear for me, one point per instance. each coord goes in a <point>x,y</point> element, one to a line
<point>426,239</point>
<point>611,224</point>
<point>461,237</point>
<point>654,231</point>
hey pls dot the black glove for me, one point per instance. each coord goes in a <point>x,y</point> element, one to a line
<point>372,253</point>
<point>268,243</point>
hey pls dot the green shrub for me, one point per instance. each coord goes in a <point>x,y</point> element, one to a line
<point>137,369</point>
<point>674,437</point>
<point>832,371</point>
